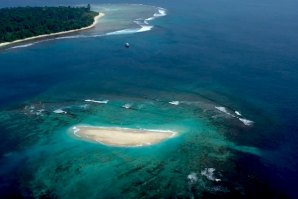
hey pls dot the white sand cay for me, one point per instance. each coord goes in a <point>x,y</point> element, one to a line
<point>122,137</point>
<point>96,19</point>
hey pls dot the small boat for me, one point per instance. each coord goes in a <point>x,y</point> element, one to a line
<point>127,45</point>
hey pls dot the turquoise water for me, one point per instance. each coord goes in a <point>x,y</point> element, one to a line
<point>233,76</point>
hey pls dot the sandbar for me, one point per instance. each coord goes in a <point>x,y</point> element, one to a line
<point>121,137</point>
<point>13,43</point>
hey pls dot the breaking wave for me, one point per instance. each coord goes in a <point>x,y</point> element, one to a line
<point>209,174</point>
<point>224,110</point>
<point>60,111</point>
<point>246,121</point>
<point>97,101</point>
<point>142,23</point>
<point>237,115</point>
<point>23,46</point>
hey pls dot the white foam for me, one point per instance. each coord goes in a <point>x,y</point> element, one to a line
<point>40,111</point>
<point>149,19</point>
<point>246,121</point>
<point>69,37</point>
<point>127,106</point>
<point>193,178</point>
<point>33,110</point>
<point>124,31</point>
<point>238,113</point>
<point>243,120</point>
<point>96,101</point>
<point>143,23</point>
<point>174,103</point>
<point>75,130</point>
<point>209,174</point>
<point>222,109</point>
<point>23,46</point>
<point>59,111</point>
<point>145,28</point>
<point>161,12</point>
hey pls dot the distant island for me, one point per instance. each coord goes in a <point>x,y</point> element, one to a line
<point>21,24</point>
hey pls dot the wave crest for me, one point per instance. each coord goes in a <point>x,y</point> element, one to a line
<point>142,23</point>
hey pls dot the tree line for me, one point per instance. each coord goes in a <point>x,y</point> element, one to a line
<point>23,22</point>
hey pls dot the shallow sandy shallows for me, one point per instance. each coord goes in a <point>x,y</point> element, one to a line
<point>122,136</point>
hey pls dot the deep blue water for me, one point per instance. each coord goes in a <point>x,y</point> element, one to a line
<point>241,55</point>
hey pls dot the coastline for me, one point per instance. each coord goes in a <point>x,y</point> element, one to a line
<point>121,137</point>
<point>96,19</point>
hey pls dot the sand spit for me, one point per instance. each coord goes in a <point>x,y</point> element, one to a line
<point>122,137</point>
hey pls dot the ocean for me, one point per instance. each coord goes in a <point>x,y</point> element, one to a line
<point>223,74</point>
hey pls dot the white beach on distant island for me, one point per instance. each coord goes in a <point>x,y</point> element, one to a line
<point>122,137</point>
<point>96,19</point>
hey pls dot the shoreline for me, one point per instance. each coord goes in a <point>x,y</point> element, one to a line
<point>45,36</point>
<point>121,137</point>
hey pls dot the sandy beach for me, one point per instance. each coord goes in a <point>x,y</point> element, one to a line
<point>96,19</point>
<point>121,137</point>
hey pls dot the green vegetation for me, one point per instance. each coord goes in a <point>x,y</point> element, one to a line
<point>23,22</point>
